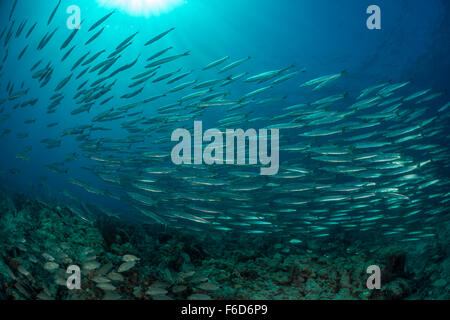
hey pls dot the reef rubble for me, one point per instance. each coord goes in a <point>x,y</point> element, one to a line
<point>120,260</point>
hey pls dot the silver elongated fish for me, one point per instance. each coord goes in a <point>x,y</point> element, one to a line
<point>216,63</point>
<point>234,64</point>
<point>158,37</point>
<point>100,21</point>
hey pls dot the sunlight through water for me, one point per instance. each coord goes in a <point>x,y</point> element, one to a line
<point>144,8</point>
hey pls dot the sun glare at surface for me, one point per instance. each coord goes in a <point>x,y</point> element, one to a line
<point>144,8</point>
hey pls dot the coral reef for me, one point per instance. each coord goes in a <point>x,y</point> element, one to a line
<point>120,260</point>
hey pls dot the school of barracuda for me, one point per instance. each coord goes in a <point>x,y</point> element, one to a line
<point>373,161</point>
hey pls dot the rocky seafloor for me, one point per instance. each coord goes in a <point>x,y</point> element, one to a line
<point>119,260</point>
